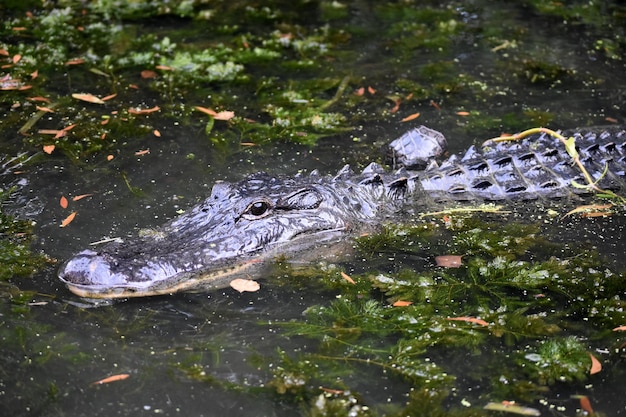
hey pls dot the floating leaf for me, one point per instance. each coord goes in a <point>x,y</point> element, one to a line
<point>76,61</point>
<point>63,202</point>
<point>144,111</point>
<point>510,407</point>
<point>589,209</point>
<point>347,277</point>
<point>90,98</point>
<point>474,320</point>
<point>80,197</point>
<point>223,115</point>
<point>449,261</point>
<point>147,74</point>
<point>410,117</point>
<point>596,366</point>
<point>38,98</point>
<point>112,378</point>
<point>245,285</point>
<point>68,219</point>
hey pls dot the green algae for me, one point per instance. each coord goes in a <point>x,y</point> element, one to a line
<point>525,307</point>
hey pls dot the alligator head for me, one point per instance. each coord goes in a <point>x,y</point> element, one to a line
<point>237,227</point>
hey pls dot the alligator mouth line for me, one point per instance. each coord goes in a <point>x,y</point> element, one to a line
<point>205,280</point>
<point>209,280</point>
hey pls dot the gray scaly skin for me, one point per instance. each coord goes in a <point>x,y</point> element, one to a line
<point>241,225</point>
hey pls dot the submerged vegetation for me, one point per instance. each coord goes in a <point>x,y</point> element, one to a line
<point>416,323</point>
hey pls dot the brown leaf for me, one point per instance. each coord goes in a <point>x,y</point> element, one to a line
<point>410,117</point>
<point>586,210</point>
<point>347,278</point>
<point>38,98</point>
<point>449,261</point>
<point>68,219</point>
<point>146,74</point>
<point>480,322</point>
<point>112,378</point>
<point>245,285</point>
<point>63,202</point>
<point>80,197</point>
<point>144,111</point>
<point>223,115</point>
<point>89,98</point>
<point>76,61</point>
<point>585,404</point>
<point>596,366</point>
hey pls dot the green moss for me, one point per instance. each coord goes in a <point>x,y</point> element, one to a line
<point>16,258</point>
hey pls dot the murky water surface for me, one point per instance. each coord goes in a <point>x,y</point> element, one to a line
<point>509,66</point>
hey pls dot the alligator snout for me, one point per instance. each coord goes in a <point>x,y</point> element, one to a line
<point>100,274</point>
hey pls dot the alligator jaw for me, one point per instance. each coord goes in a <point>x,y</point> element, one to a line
<point>218,278</point>
<point>91,274</point>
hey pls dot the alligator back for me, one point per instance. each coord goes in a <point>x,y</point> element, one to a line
<point>536,167</point>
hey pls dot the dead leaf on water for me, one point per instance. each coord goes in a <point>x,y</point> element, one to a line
<point>80,197</point>
<point>245,285</point>
<point>223,115</point>
<point>596,366</point>
<point>347,278</point>
<point>511,407</point>
<point>474,320</point>
<point>90,98</point>
<point>143,111</point>
<point>410,117</point>
<point>112,378</point>
<point>590,210</point>
<point>68,219</point>
<point>449,261</point>
<point>147,74</point>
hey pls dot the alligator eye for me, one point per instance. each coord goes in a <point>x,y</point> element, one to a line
<point>257,210</point>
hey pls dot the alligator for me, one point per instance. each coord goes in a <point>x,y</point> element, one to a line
<point>241,226</point>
